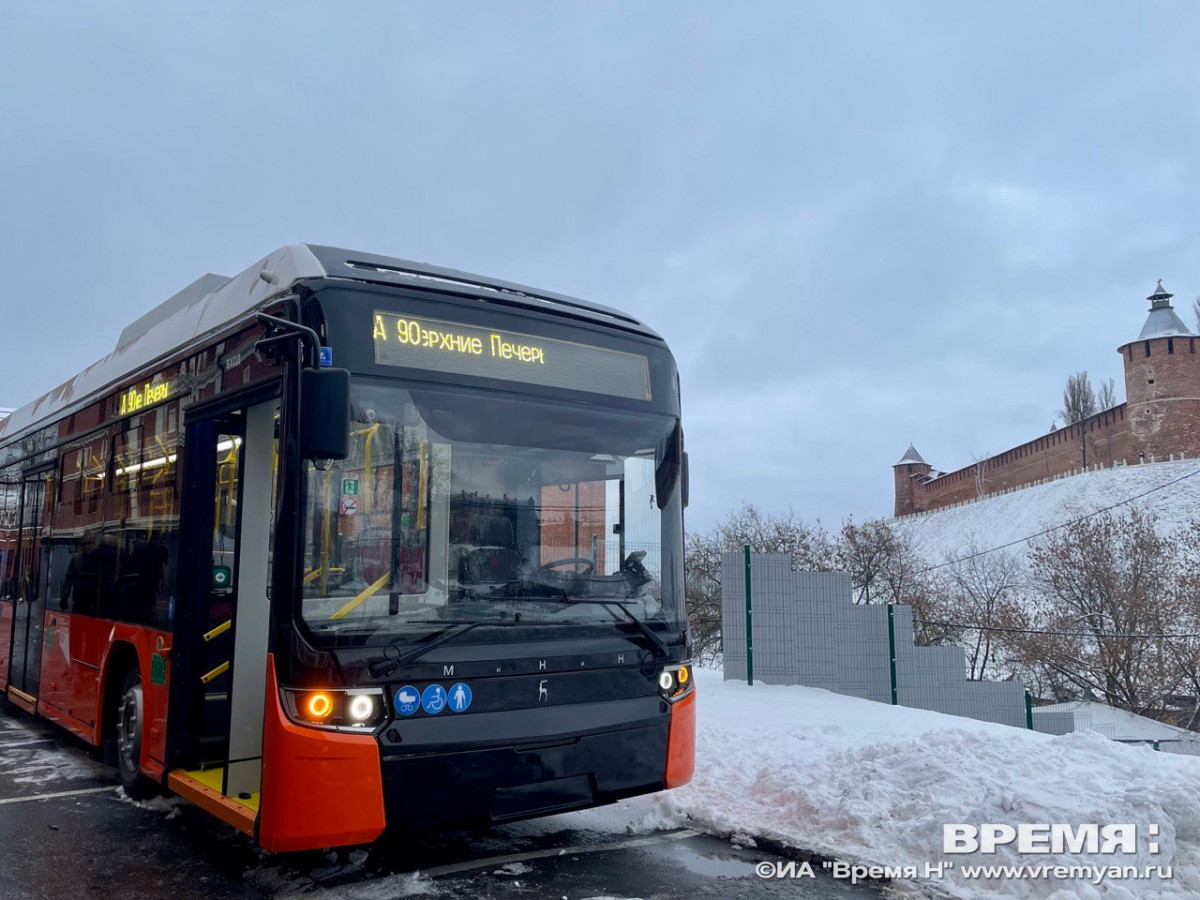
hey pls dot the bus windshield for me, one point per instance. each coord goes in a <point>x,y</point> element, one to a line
<point>459,506</point>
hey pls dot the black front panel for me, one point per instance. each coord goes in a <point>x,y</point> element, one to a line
<point>520,746</point>
<point>423,790</point>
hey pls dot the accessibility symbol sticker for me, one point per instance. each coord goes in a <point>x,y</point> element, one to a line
<point>349,506</point>
<point>433,701</point>
<point>460,698</point>
<point>407,699</point>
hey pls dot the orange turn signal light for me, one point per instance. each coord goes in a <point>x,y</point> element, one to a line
<point>319,705</point>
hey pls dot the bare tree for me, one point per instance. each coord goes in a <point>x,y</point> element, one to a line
<point>1184,649</point>
<point>871,554</point>
<point>983,589</point>
<point>1106,395</point>
<point>1196,312</point>
<point>809,547</point>
<point>885,567</point>
<point>702,587</point>
<point>1098,581</point>
<point>1079,401</point>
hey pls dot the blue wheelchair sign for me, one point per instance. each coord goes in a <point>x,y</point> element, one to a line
<point>433,701</point>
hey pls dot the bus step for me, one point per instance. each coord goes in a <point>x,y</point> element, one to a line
<point>204,789</point>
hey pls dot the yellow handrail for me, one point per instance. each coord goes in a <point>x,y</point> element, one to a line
<point>316,573</point>
<point>361,598</point>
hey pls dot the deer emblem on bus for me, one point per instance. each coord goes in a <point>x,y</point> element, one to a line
<point>543,694</point>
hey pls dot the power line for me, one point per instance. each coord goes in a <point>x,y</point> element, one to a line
<point>1066,524</point>
<point>1080,634</point>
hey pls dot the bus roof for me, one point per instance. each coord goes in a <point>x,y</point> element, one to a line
<point>213,303</point>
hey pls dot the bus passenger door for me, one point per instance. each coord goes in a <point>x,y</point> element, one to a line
<point>224,616</point>
<point>30,582</point>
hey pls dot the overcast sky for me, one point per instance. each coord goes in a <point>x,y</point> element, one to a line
<point>857,224</point>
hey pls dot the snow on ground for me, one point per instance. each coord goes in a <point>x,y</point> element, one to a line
<point>998,520</point>
<point>25,763</point>
<point>863,781</point>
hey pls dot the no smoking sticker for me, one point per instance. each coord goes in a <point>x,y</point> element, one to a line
<point>349,506</point>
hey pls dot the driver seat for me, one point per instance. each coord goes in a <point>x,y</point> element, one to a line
<point>495,557</point>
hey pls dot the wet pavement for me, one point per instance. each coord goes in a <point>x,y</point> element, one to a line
<point>68,833</point>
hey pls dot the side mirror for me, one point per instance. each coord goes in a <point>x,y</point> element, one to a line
<point>324,414</point>
<point>683,480</point>
<point>667,473</point>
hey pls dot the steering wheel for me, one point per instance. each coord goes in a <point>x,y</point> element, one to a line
<point>583,565</point>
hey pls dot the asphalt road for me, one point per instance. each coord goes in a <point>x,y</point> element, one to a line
<point>67,833</point>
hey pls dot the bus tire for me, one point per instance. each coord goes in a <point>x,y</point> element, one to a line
<point>130,720</point>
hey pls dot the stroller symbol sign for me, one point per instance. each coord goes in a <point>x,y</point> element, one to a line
<point>408,698</point>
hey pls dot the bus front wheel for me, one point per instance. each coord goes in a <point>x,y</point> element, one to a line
<point>130,718</point>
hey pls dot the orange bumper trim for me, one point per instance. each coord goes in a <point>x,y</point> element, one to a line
<point>681,742</point>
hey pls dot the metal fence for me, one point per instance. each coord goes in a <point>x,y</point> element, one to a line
<point>807,630</point>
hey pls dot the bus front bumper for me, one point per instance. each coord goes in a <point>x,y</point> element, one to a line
<point>498,767</point>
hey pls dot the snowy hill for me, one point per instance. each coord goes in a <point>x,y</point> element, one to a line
<point>1173,497</point>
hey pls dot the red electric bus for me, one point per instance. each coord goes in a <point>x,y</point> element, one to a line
<point>347,543</point>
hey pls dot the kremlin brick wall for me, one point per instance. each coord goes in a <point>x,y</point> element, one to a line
<point>1160,420</point>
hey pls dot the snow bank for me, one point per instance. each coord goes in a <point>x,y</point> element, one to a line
<point>863,781</point>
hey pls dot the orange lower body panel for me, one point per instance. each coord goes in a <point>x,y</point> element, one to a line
<point>681,742</point>
<point>319,788</point>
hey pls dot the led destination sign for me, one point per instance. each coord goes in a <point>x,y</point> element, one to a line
<point>490,353</point>
<point>146,395</point>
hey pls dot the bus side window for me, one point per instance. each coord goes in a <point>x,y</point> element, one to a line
<point>10,487</point>
<point>136,549</point>
<point>74,530</point>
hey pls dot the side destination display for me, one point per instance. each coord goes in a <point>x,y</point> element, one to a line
<point>422,343</point>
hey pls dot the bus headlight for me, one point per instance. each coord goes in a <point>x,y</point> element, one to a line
<point>675,681</point>
<point>349,709</point>
<point>361,708</point>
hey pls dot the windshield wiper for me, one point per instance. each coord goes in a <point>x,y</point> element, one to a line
<point>381,667</point>
<point>658,645</point>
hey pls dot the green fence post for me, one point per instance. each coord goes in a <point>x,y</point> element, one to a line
<point>892,653</point>
<point>749,622</point>
<point>1029,710</point>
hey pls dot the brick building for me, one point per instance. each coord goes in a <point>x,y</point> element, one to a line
<point>1160,419</point>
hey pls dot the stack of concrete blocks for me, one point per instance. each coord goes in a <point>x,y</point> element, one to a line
<point>809,631</point>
